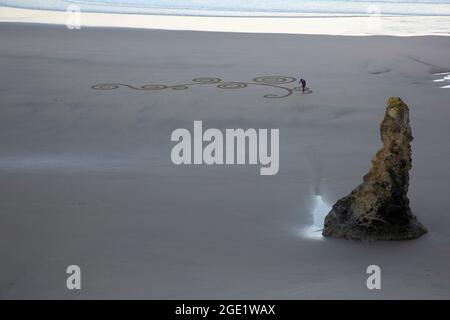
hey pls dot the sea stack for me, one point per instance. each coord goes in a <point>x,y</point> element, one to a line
<point>378,209</point>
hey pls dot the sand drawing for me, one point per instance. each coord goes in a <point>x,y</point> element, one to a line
<point>277,82</point>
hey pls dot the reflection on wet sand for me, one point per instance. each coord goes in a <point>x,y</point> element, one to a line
<point>314,231</point>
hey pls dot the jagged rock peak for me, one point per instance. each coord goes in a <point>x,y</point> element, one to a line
<point>378,209</point>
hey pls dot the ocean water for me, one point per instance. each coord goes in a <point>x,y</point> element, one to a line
<point>245,7</point>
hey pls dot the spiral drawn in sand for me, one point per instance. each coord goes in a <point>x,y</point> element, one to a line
<point>207,80</point>
<point>270,81</point>
<point>274,79</point>
<point>112,86</point>
<point>232,85</point>
<point>106,86</point>
<point>153,87</point>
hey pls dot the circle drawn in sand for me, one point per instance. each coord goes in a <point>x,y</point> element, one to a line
<point>275,82</point>
<point>152,87</point>
<point>207,80</point>
<point>232,85</point>
<point>106,86</point>
<point>274,79</point>
<point>180,87</point>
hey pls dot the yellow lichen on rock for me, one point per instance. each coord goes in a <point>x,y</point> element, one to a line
<point>378,209</point>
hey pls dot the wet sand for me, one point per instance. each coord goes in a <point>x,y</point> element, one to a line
<point>86,176</point>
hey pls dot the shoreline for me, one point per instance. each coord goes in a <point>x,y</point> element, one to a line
<point>312,24</point>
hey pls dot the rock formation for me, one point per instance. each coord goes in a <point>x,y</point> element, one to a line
<point>378,209</point>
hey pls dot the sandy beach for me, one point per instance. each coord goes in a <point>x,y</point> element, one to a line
<point>86,176</point>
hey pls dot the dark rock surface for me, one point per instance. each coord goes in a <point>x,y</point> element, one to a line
<point>378,209</point>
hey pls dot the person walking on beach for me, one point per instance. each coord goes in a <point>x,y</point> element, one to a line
<point>302,82</point>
